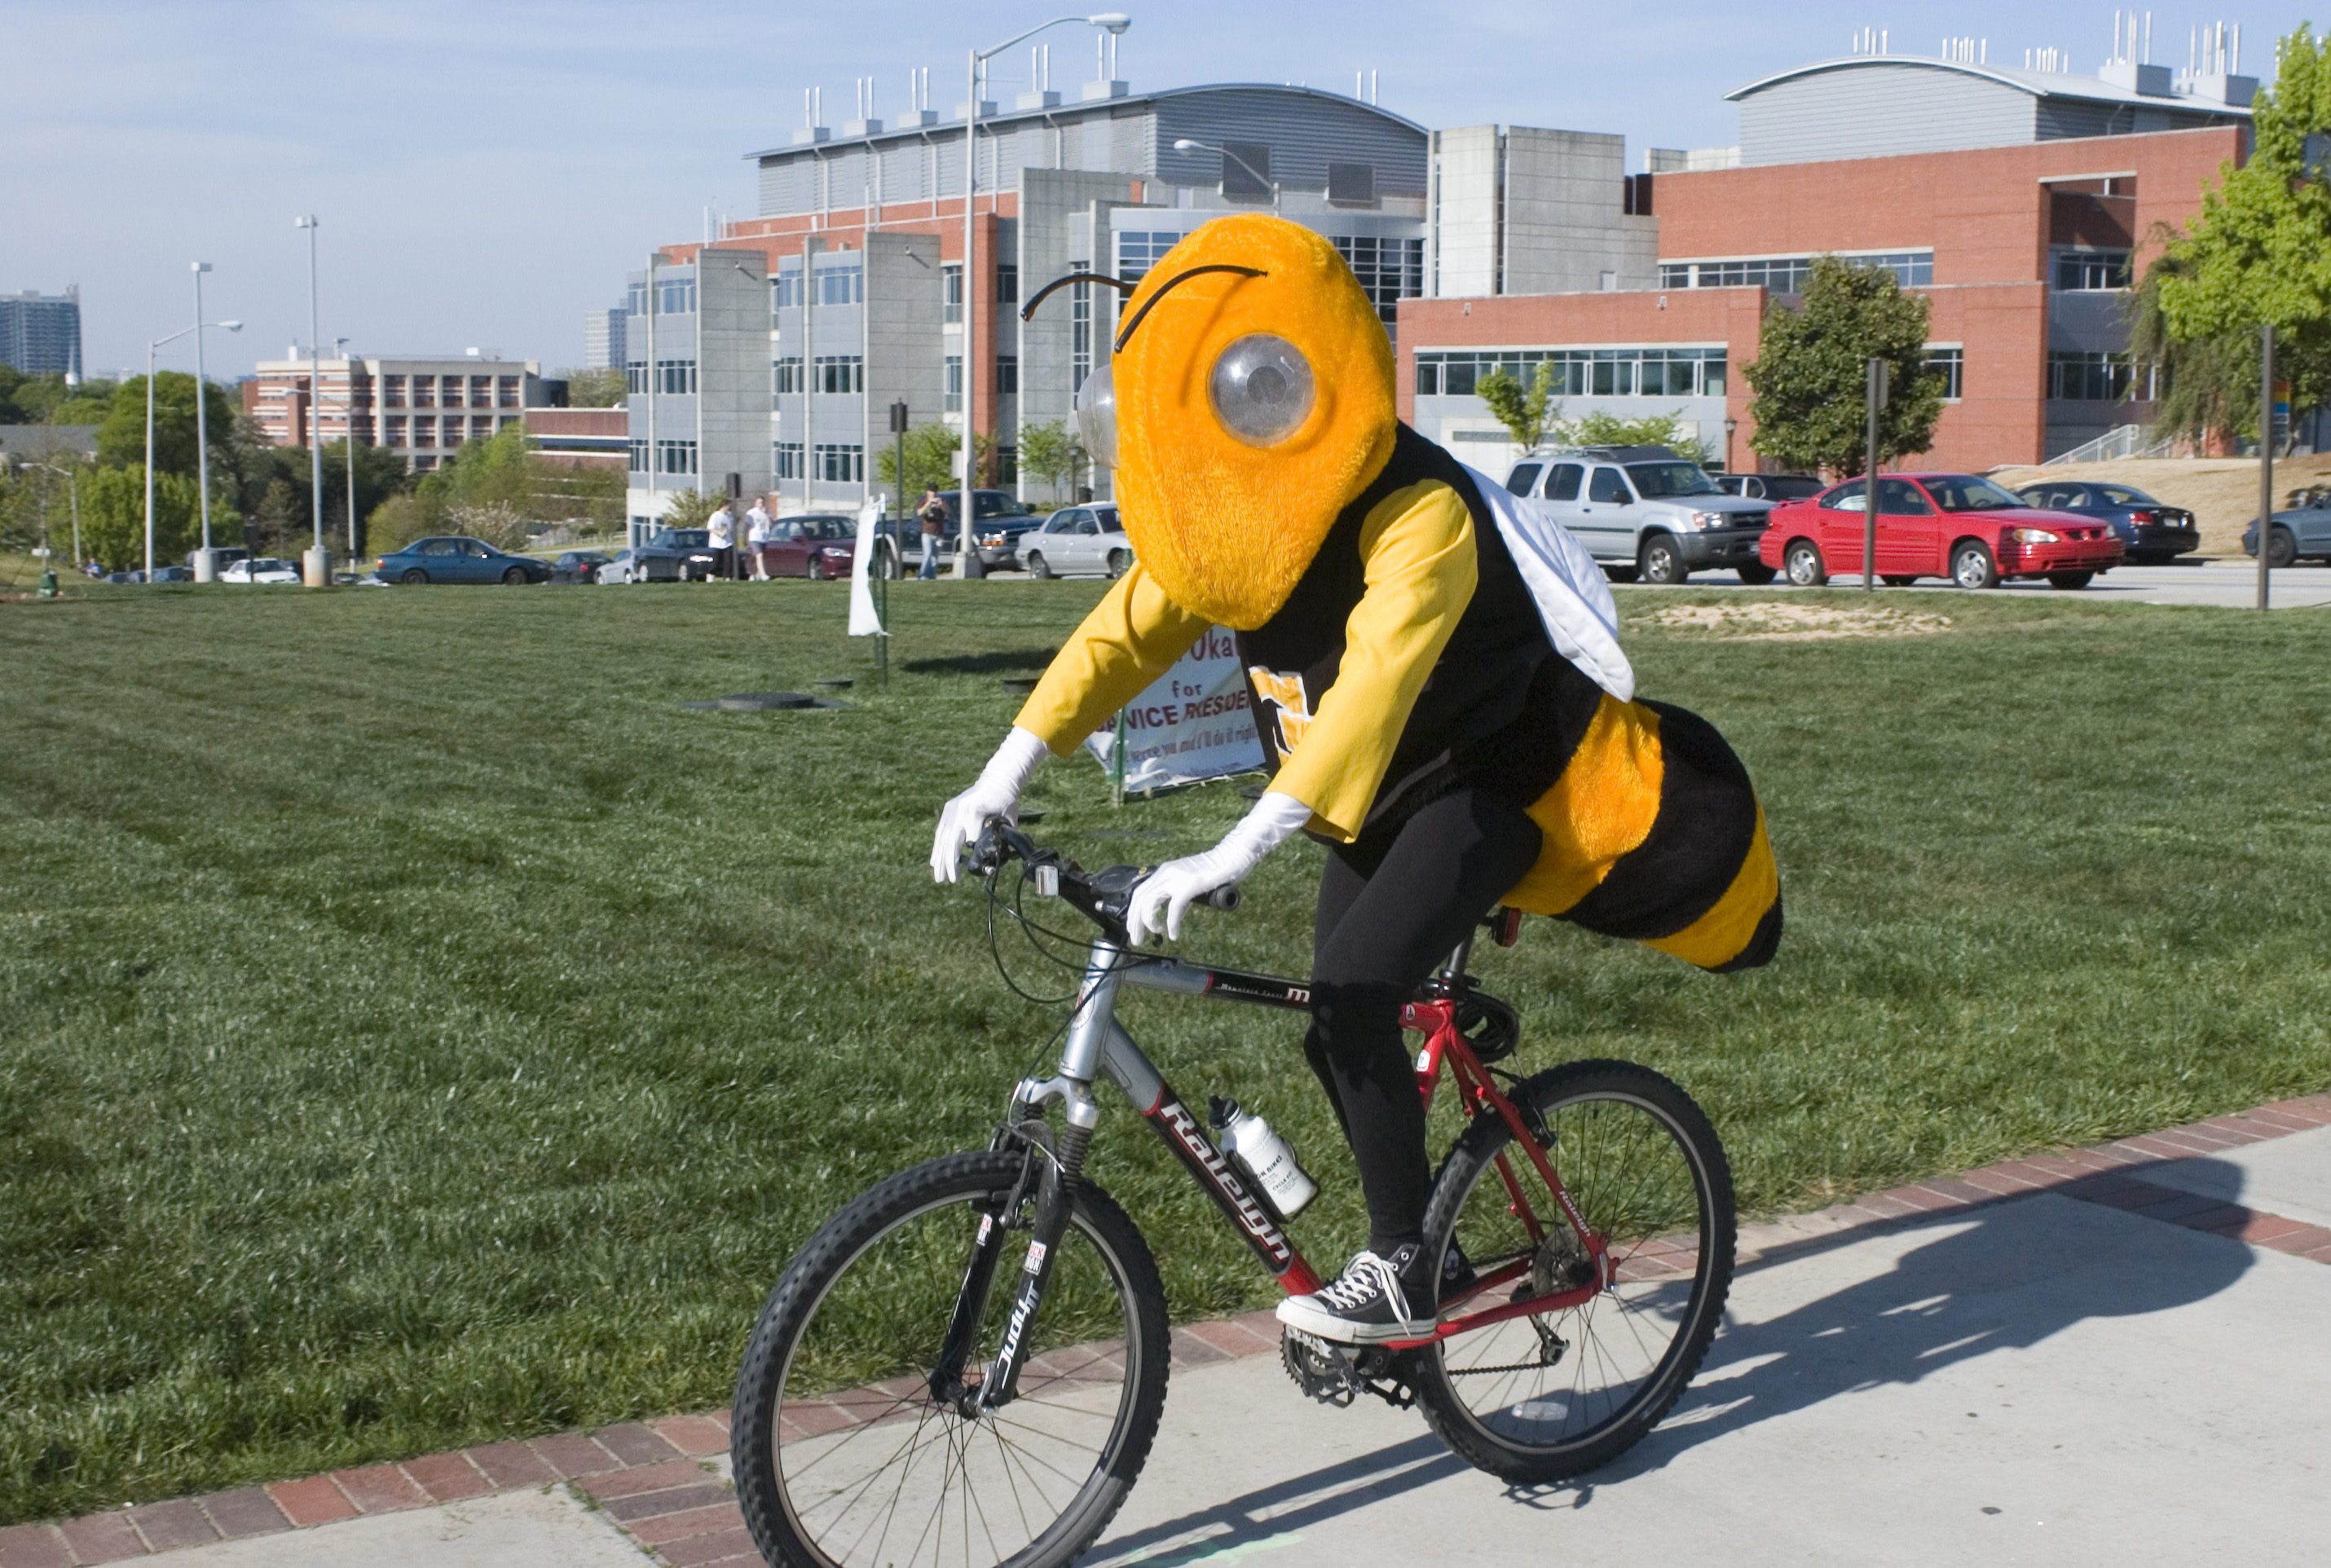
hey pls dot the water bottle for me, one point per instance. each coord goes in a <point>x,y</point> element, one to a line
<point>1265,1156</point>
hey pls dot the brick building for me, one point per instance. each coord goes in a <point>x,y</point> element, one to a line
<point>425,409</point>
<point>2019,202</point>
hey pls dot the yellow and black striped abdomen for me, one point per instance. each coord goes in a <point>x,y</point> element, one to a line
<point>1653,832</point>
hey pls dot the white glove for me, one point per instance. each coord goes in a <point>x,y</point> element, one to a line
<point>995,793</point>
<point>1159,900</point>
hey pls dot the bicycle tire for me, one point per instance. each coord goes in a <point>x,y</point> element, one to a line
<point>855,1323</point>
<point>1644,1168</point>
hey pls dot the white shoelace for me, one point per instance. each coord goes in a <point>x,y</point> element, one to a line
<point>1368,1272</point>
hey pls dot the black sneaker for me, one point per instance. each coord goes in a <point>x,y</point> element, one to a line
<point>1377,1299</point>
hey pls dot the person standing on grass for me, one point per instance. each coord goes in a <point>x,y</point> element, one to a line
<point>934,515</point>
<point>721,527</point>
<point>757,536</point>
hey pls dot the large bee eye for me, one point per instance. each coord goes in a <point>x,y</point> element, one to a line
<point>1097,416</point>
<point>1261,389</point>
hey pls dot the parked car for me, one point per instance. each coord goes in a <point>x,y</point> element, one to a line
<point>998,520</point>
<point>578,566</point>
<point>456,558</point>
<point>265,569</point>
<point>672,556</point>
<point>1768,486</point>
<point>1086,538</point>
<point>161,574</point>
<point>816,545</point>
<point>2300,532</point>
<point>1644,512</point>
<point>2149,530</point>
<point>1961,527</point>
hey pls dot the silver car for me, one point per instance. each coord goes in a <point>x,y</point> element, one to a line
<point>1086,538</point>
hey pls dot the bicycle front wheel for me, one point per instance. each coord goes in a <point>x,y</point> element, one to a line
<point>1534,1398</point>
<point>845,1458</point>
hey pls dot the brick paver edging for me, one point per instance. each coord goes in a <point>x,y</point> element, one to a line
<point>655,1480</point>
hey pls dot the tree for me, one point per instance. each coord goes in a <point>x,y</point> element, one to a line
<point>2259,255</point>
<point>2206,387</point>
<point>1051,452</point>
<point>690,508</point>
<point>930,461</point>
<point>1809,375</point>
<point>1600,429</point>
<point>121,434</point>
<point>604,388</point>
<point>1525,412</point>
<point>113,517</point>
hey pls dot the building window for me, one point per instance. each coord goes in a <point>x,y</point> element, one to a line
<point>841,465</point>
<point>788,459</point>
<point>1080,329</point>
<point>2099,378</point>
<point>788,383</point>
<point>1007,465</point>
<point>424,430</point>
<point>676,457</point>
<point>424,392</point>
<point>392,392</point>
<point>1647,372</point>
<point>784,291</point>
<point>395,424</point>
<point>481,426</point>
<point>1007,375</point>
<point>953,403</point>
<point>635,300</point>
<point>1949,364</point>
<point>422,465</point>
<point>840,373</point>
<point>1352,184</point>
<point>635,376</point>
<point>1389,271</point>
<point>676,296</point>
<point>844,285</point>
<point>506,391</point>
<point>951,290</point>
<point>1786,274</point>
<point>639,460</point>
<point>1139,250</point>
<point>1007,283</point>
<point>676,376</point>
<point>449,433</point>
<point>481,392</point>
<point>2081,271</point>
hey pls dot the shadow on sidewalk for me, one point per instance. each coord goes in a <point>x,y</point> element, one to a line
<point>2006,1276</point>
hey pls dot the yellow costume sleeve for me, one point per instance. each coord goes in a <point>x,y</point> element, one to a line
<point>1132,637</point>
<point>1421,570</point>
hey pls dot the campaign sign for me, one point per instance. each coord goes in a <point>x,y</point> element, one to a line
<point>1193,722</point>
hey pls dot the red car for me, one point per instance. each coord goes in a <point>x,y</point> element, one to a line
<point>816,547</point>
<point>1961,527</point>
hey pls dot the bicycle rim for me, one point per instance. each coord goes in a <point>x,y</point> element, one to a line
<point>863,1469</point>
<point>1541,1397</point>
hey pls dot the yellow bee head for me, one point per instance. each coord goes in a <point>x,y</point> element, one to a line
<point>1250,401</point>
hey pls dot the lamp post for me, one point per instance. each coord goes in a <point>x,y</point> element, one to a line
<point>1185,145</point>
<point>316,571</point>
<point>1111,21</point>
<point>340,347</point>
<point>202,568</point>
<point>1729,426</point>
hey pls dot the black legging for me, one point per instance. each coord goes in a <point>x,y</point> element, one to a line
<point>1392,906</point>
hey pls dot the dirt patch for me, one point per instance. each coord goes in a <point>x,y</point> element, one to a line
<point>2221,492</point>
<point>1775,622</point>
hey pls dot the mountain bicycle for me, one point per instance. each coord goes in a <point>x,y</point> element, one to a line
<point>968,1363</point>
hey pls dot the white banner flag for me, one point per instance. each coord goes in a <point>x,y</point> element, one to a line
<point>1193,723</point>
<point>863,622</point>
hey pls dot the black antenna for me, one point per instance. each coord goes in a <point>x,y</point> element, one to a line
<point>1045,292</point>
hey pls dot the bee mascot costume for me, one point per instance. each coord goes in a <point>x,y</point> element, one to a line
<point>1435,674</point>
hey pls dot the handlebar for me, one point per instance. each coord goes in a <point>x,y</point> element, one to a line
<point>1102,897</point>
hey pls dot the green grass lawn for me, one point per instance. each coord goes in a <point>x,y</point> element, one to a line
<point>417,1027</point>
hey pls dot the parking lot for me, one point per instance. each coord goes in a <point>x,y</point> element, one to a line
<point>2224,582</point>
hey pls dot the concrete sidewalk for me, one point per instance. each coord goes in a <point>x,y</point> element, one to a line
<point>2114,1355</point>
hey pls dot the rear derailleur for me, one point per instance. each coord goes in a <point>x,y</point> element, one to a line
<point>1337,1375</point>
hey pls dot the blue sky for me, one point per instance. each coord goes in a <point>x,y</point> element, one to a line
<point>485,172</point>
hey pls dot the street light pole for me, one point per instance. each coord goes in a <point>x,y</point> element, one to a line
<point>967,549</point>
<point>1185,145</point>
<point>202,426</point>
<point>316,571</point>
<point>341,346</point>
<point>202,568</point>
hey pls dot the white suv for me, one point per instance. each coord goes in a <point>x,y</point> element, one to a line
<point>1641,511</point>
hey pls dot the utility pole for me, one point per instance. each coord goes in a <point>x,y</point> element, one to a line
<point>1878,373</point>
<point>205,565</point>
<point>316,571</point>
<point>2266,455</point>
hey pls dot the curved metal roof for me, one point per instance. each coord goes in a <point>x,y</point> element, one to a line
<point>2038,83</point>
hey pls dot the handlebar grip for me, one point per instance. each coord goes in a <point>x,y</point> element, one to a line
<point>1225,896</point>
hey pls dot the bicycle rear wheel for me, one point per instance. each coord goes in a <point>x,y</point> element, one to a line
<point>1538,1398</point>
<point>844,1459</point>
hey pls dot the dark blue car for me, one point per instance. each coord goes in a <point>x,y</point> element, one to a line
<point>456,558</point>
<point>2150,531</point>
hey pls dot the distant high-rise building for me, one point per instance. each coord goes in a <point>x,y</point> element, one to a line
<point>603,338</point>
<point>40,333</point>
